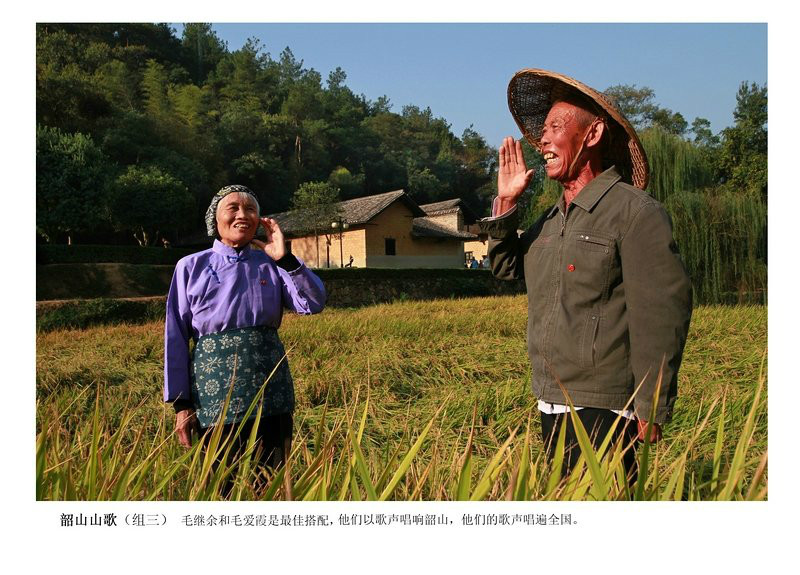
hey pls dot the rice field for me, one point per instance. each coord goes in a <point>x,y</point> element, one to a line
<point>403,401</point>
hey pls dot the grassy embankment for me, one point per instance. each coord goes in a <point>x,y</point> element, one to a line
<point>413,400</point>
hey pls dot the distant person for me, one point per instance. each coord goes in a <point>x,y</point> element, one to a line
<point>609,300</point>
<point>165,243</point>
<point>229,300</point>
<point>473,265</point>
<point>350,263</point>
<point>485,262</point>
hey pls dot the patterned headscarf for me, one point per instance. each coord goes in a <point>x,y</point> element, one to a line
<point>211,212</point>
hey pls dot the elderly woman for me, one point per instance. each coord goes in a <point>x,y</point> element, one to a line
<point>229,299</point>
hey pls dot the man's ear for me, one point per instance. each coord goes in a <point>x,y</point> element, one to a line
<point>596,131</point>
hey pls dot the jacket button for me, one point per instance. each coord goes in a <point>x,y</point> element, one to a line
<point>571,267</point>
<point>263,282</point>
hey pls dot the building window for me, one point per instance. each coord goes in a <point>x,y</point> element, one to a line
<point>467,258</point>
<point>390,247</point>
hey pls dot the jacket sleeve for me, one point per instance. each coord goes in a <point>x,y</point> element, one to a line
<point>507,248</point>
<point>177,331</point>
<point>302,290</point>
<point>658,297</point>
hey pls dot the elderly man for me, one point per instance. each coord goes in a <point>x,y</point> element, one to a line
<point>609,300</point>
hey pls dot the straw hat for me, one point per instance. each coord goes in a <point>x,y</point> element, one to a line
<point>531,94</point>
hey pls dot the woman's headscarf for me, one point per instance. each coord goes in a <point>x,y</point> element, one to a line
<point>211,212</point>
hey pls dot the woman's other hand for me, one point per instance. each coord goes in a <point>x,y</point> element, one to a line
<point>185,426</point>
<point>275,246</point>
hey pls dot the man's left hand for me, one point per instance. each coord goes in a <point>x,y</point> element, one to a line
<point>655,431</point>
<point>274,247</point>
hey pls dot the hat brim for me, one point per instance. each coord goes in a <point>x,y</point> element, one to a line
<point>531,94</point>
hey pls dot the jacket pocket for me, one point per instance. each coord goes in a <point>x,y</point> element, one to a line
<point>590,241</point>
<point>591,331</point>
<point>588,259</point>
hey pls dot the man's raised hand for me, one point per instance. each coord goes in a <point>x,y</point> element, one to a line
<point>513,176</point>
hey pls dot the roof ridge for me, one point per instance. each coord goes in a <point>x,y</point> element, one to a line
<point>396,193</point>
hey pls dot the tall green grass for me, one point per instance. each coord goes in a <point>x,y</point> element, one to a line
<point>411,401</point>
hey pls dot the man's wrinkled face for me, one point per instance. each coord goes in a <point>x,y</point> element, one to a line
<point>562,135</point>
<point>237,219</point>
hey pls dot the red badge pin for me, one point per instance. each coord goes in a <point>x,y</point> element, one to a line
<point>263,282</point>
<point>571,267</point>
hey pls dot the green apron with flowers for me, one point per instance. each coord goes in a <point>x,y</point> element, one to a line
<point>245,359</point>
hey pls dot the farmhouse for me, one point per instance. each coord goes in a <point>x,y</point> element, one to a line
<point>387,230</point>
<point>455,214</point>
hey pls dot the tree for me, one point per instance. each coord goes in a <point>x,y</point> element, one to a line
<point>148,201</point>
<point>672,122</point>
<point>351,186</point>
<point>639,107</point>
<point>317,210</point>
<point>67,94</point>
<point>424,186</point>
<point>70,183</point>
<point>743,156</point>
<point>636,104</point>
<point>703,136</point>
<point>204,49</point>
<point>290,69</point>
<point>476,180</point>
<point>708,145</point>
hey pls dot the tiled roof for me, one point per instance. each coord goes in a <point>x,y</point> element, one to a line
<point>354,212</point>
<point>362,210</point>
<point>428,228</point>
<point>446,206</point>
<point>449,207</point>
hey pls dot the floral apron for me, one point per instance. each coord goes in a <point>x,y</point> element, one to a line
<point>244,357</point>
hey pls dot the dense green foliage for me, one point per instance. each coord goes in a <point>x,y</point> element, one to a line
<point>201,116</point>
<point>406,401</point>
<point>70,181</point>
<point>147,200</point>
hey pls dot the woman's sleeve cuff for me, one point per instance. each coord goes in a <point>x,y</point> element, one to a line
<point>182,405</point>
<point>288,263</point>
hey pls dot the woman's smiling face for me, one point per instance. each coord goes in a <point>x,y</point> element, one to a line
<point>237,219</point>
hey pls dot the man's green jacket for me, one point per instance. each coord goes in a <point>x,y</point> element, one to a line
<point>609,299</point>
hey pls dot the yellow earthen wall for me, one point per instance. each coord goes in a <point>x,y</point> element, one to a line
<point>452,221</point>
<point>396,222</point>
<point>353,243</point>
<point>479,249</point>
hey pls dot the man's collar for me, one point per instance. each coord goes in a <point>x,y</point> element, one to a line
<point>591,193</point>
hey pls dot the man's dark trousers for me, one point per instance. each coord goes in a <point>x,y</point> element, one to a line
<point>597,423</point>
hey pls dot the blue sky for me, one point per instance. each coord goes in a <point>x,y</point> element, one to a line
<point>462,70</point>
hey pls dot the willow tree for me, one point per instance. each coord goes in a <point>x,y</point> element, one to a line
<point>720,231</point>
<point>676,165</point>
